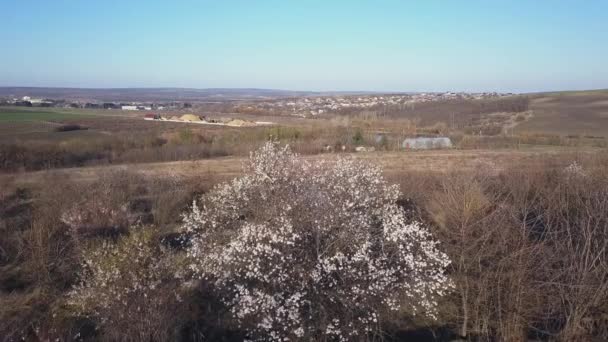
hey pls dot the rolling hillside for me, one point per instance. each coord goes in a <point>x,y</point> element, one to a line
<point>582,113</point>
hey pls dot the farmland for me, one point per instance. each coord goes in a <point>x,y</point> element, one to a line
<point>17,121</point>
<point>7,116</point>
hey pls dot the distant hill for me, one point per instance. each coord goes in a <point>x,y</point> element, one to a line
<point>160,94</point>
<point>150,94</point>
<point>572,92</point>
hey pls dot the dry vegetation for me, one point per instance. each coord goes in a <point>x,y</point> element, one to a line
<point>527,246</point>
<point>73,139</point>
<point>576,114</point>
<point>521,213</point>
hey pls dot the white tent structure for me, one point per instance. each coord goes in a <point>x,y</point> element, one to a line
<point>426,143</point>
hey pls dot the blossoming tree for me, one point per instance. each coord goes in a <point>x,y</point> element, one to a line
<point>305,250</point>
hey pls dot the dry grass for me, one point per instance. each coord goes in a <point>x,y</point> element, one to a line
<point>584,114</point>
<point>116,137</point>
<point>393,163</point>
<point>485,207</point>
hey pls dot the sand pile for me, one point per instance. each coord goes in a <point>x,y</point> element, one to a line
<point>239,123</point>
<point>189,117</point>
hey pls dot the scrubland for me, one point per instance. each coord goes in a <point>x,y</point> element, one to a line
<point>131,230</point>
<point>96,137</point>
<point>526,243</point>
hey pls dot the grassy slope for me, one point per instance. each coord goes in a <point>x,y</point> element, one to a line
<point>575,92</point>
<point>569,113</point>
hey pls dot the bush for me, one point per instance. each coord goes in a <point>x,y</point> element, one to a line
<point>313,250</point>
<point>494,275</point>
<point>358,138</point>
<point>531,250</point>
<point>129,288</point>
<point>69,127</point>
<point>37,263</point>
<point>103,210</point>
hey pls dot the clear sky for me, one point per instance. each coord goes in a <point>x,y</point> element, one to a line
<point>424,45</point>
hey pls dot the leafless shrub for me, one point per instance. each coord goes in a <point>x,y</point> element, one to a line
<point>38,262</point>
<point>130,288</point>
<point>172,195</point>
<point>528,250</point>
<point>103,209</point>
<point>487,250</point>
<point>575,215</point>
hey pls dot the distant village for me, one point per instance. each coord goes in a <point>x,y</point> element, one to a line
<point>296,106</point>
<point>318,105</point>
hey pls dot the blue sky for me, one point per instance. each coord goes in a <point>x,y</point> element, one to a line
<point>306,45</point>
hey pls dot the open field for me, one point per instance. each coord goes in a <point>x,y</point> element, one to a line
<point>15,121</point>
<point>21,114</point>
<point>36,116</point>
<point>393,164</point>
<point>569,113</point>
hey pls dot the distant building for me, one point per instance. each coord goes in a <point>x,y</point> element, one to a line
<point>426,143</point>
<point>110,105</point>
<point>128,107</point>
<point>23,103</point>
<point>152,117</point>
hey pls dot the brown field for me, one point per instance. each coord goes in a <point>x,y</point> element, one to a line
<point>393,164</point>
<point>575,113</point>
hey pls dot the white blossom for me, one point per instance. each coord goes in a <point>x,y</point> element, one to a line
<point>309,250</point>
<point>574,170</point>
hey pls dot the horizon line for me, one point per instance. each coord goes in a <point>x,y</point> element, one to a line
<point>298,91</point>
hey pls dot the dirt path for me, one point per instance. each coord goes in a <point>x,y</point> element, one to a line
<point>510,125</point>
